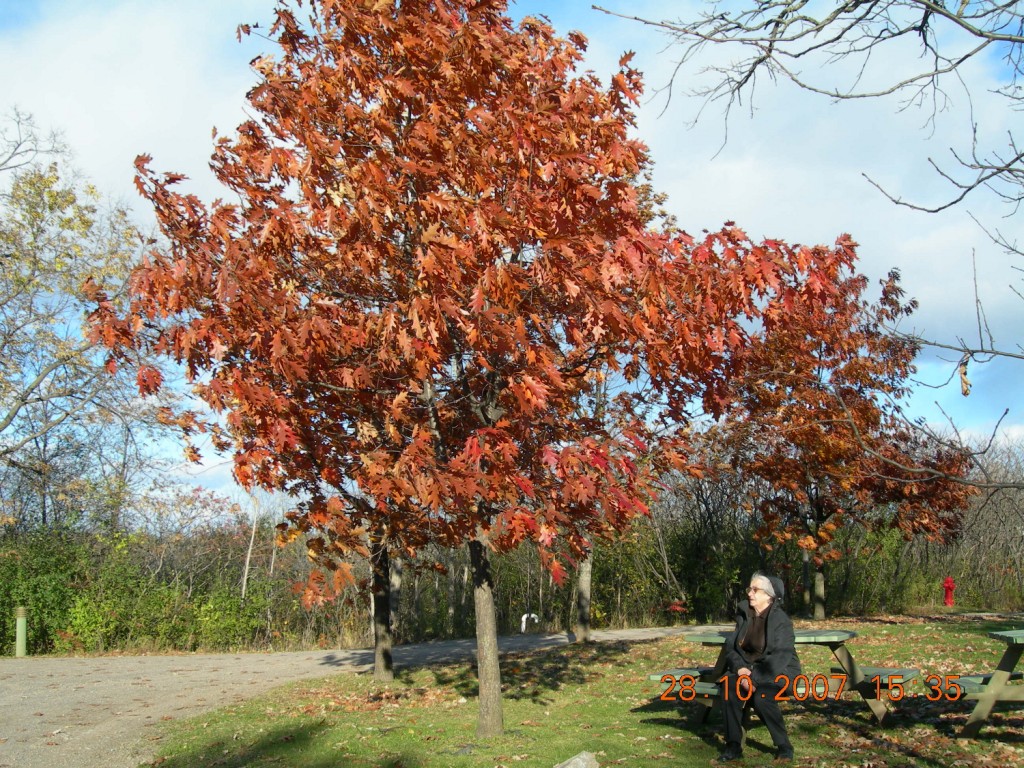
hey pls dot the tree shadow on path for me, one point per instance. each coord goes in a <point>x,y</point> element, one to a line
<point>535,676</point>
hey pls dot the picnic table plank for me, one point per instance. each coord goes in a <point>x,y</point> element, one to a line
<point>1009,636</point>
<point>823,636</point>
<point>973,683</point>
<point>697,672</point>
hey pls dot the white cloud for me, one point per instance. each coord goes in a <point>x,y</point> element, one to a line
<point>125,78</point>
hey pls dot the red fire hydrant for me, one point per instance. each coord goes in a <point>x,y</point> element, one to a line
<point>948,586</point>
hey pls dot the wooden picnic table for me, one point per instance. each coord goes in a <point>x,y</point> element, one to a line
<point>988,690</point>
<point>867,681</point>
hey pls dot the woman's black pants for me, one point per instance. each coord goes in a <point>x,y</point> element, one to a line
<point>764,704</point>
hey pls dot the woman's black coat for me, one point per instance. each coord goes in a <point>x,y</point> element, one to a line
<point>779,656</point>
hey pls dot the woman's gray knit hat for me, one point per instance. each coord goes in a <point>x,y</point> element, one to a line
<point>775,586</point>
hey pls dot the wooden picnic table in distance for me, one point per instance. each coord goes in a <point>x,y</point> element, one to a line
<point>857,678</point>
<point>988,690</point>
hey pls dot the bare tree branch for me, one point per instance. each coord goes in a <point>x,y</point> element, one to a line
<point>790,40</point>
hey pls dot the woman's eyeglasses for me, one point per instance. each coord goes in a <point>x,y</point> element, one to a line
<point>755,589</point>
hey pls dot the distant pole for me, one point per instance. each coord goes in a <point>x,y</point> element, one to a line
<point>21,631</point>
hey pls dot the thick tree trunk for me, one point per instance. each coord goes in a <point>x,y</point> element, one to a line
<point>819,594</point>
<point>583,600</point>
<point>490,722</point>
<point>380,562</point>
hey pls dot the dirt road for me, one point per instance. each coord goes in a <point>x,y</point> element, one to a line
<point>102,712</point>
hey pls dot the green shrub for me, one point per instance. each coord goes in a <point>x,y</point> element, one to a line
<point>42,571</point>
<point>225,621</point>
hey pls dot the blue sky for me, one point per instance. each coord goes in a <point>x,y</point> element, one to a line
<point>15,14</point>
<point>124,77</point>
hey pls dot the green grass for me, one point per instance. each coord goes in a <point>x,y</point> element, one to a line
<point>597,698</point>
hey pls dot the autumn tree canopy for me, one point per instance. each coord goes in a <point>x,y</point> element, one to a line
<point>430,252</point>
<point>822,431</point>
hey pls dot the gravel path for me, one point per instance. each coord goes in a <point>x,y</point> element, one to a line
<point>100,712</point>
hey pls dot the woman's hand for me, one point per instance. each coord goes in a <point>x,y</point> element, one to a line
<point>746,683</point>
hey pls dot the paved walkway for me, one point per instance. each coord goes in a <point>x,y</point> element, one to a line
<point>98,712</point>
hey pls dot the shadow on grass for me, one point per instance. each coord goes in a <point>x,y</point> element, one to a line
<point>1005,724</point>
<point>845,724</point>
<point>294,745</point>
<point>686,717</point>
<point>848,725</point>
<point>975,624</point>
<point>534,676</point>
<point>984,626</point>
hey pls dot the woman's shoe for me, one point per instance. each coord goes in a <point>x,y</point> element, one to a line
<point>784,754</point>
<point>731,754</point>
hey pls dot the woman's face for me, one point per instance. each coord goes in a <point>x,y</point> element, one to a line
<point>759,599</point>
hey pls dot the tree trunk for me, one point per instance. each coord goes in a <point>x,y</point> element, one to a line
<point>819,594</point>
<point>248,552</point>
<point>540,594</point>
<point>395,599</point>
<point>583,599</point>
<point>490,722</point>
<point>807,583</point>
<point>462,623</point>
<point>383,667</point>
<point>449,619</point>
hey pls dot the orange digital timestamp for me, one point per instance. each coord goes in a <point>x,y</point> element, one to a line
<point>799,688</point>
<point>939,688</point>
<point>803,687</point>
<point>687,685</point>
<point>816,687</point>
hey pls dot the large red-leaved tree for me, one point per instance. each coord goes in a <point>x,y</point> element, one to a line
<point>433,252</point>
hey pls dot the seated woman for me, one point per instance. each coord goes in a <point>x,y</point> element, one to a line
<point>759,650</point>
